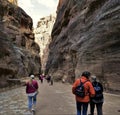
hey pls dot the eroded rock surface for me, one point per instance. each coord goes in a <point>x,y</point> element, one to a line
<point>86,36</point>
<point>19,54</point>
<point>15,2</point>
<point>43,36</point>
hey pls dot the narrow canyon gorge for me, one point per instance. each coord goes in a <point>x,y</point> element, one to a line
<point>81,35</point>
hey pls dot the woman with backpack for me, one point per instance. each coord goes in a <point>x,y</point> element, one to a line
<point>98,99</point>
<point>83,97</point>
<point>31,91</point>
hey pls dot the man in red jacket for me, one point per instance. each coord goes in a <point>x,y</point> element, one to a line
<point>82,102</point>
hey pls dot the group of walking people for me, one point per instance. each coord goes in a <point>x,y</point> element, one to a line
<point>47,77</point>
<point>93,94</point>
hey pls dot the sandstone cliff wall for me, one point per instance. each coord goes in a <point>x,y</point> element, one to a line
<point>86,36</point>
<point>19,54</point>
<point>43,36</point>
<point>15,2</point>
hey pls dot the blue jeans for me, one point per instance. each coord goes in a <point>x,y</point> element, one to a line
<point>82,108</point>
<point>31,101</point>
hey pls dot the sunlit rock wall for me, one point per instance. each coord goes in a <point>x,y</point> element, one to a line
<point>19,54</point>
<point>15,2</point>
<point>86,36</point>
<point>43,36</point>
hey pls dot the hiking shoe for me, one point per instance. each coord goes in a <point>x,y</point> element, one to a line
<point>33,109</point>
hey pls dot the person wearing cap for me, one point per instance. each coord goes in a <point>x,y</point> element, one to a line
<point>31,91</point>
<point>82,102</point>
<point>98,99</point>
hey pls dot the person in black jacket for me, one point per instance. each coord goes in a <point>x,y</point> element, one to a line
<point>98,99</point>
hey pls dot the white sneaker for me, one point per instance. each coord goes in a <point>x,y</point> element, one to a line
<point>33,109</point>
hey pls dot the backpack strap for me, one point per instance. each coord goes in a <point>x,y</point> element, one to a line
<point>87,93</point>
<point>33,87</point>
<point>83,82</point>
<point>95,84</point>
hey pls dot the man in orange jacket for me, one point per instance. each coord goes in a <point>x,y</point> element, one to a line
<point>82,102</point>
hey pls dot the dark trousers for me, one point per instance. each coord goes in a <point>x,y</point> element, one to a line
<point>82,108</point>
<point>41,80</point>
<point>98,106</point>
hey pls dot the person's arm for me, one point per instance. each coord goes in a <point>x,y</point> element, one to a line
<point>36,85</point>
<point>73,90</point>
<point>101,86</point>
<point>74,86</point>
<point>91,90</point>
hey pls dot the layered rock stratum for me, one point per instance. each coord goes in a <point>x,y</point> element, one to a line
<point>43,36</point>
<point>19,54</point>
<point>86,36</point>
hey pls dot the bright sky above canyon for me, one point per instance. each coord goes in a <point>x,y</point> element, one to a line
<point>38,8</point>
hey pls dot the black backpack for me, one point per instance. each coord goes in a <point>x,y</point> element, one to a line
<point>80,89</point>
<point>98,91</point>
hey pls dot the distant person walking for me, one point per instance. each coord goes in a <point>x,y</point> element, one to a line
<point>31,90</point>
<point>49,80</point>
<point>41,77</point>
<point>98,99</point>
<point>83,100</point>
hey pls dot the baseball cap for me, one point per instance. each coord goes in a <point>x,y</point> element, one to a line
<point>32,76</point>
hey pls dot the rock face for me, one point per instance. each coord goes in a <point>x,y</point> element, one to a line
<point>86,36</point>
<point>19,54</point>
<point>15,2</point>
<point>43,36</point>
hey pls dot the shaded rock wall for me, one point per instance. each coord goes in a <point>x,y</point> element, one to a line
<point>86,36</point>
<point>43,36</point>
<point>19,54</point>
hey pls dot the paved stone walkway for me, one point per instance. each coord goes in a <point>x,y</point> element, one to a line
<point>13,102</point>
<point>51,100</point>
